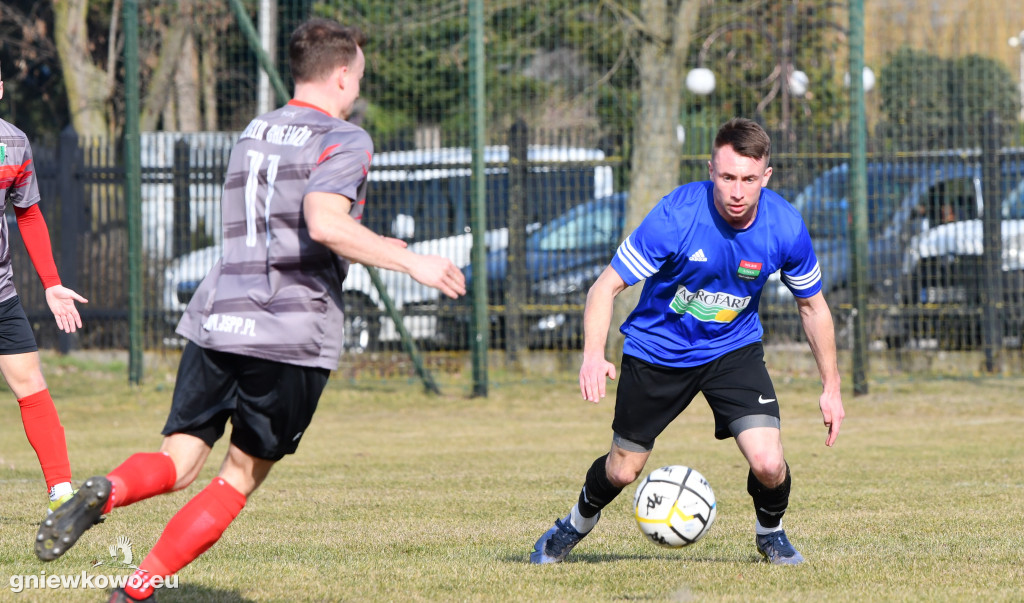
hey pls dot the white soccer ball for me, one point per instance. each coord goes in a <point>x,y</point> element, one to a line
<point>674,506</point>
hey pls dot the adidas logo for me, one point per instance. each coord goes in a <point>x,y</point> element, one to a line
<point>699,256</point>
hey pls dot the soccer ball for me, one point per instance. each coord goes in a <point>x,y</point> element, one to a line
<point>674,506</point>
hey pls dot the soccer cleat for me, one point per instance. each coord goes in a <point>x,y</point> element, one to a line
<point>777,550</point>
<point>556,543</point>
<point>62,529</point>
<point>119,596</point>
<point>55,504</point>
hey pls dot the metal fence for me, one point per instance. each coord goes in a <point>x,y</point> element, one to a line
<point>573,115</point>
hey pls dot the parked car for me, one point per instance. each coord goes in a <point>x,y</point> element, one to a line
<point>562,260</point>
<point>905,198</point>
<point>945,279</point>
<point>825,207</point>
<point>422,196</point>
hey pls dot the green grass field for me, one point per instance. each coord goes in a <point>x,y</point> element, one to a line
<point>399,496</point>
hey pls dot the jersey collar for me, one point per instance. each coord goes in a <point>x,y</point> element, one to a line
<point>298,103</point>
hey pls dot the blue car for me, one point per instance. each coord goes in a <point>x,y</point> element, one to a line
<point>906,198</point>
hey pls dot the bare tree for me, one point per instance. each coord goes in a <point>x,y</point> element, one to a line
<point>89,85</point>
<point>665,28</point>
<point>178,80</point>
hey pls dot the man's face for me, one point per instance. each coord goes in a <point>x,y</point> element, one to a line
<point>738,181</point>
<point>351,78</point>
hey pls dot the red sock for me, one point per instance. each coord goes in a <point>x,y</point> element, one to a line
<point>46,435</point>
<point>190,532</point>
<point>141,476</point>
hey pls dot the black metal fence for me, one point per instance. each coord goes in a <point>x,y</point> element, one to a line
<point>555,216</point>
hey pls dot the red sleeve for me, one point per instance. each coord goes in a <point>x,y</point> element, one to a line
<point>37,242</point>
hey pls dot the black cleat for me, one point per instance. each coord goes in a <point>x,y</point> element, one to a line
<point>62,529</point>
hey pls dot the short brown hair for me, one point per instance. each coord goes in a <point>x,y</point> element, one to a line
<point>746,137</point>
<point>320,46</point>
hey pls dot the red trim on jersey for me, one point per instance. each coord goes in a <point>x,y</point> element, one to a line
<point>298,103</point>
<point>15,176</point>
<point>326,152</point>
<point>37,242</point>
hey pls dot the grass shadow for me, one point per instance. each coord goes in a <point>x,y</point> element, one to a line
<point>201,594</point>
<point>611,557</point>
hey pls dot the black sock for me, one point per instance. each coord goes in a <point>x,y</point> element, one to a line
<point>597,490</point>
<point>769,503</point>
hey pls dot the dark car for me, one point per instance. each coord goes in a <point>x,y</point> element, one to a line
<point>906,198</point>
<point>562,260</point>
<point>825,207</point>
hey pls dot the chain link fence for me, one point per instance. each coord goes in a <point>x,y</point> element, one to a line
<point>585,101</point>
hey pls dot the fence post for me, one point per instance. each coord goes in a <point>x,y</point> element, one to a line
<point>478,193</point>
<point>516,285</point>
<point>991,291</point>
<point>69,189</point>
<point>133,189</point>
<point>181,229</point>
<point>858,200</point>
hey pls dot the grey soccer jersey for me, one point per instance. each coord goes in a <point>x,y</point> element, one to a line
<point>18,187</point>
<point>275,293</point>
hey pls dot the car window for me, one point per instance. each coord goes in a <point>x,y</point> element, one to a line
<point>1013,204</point>
<point>595,228</point>
<point>886,189</point>
<point>826,210</point>
<point>949,201</point>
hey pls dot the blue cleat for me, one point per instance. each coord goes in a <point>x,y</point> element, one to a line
<point>776,549</point>
<point>556,543</point>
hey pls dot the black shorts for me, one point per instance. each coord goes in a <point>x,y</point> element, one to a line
<point>16,335</point>
<point>736,386</point>
<point>270,404</point>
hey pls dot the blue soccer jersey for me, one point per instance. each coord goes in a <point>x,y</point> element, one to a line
<point>704,277</point>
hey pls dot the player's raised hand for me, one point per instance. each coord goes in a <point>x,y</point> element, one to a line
<point>593,377</point>
<point>62,303</point>
<point>440,273</point>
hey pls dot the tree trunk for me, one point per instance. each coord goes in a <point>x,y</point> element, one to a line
<point>208,78</point>
<point>86,84</point>
<point>162,79</point>
<point>655,157</point>
<point>186,87</point>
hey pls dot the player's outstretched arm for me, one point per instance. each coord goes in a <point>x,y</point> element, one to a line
<point>597,318</point>
<point>61,301</point>
<point>330,224</point>
<point>821,336</point>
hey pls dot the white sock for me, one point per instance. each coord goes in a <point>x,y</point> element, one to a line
<point>60,489</point>
<point>760,530</point>
<point>581,523</point>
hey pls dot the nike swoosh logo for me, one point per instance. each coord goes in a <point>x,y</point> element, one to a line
<point>762,400</point>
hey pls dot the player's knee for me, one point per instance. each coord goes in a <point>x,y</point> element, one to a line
<point>186,475</point>
<point>769,469</point>
<point>624,475</point>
